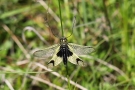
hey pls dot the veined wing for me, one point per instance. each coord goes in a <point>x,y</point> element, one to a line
<point>55,59</point>
<point>75,59</point>
<point>81,50</point>
<point>47,52</point>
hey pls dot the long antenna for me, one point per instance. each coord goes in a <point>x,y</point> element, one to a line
<point>74,23</point>
<point>48,23</point>
<point>61,19</point>
<point>51,30</point>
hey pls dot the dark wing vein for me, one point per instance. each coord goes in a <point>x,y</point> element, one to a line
<point>47,52</point>
<point>81,50</point>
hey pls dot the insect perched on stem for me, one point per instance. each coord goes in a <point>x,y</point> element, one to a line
<point>64,52</point>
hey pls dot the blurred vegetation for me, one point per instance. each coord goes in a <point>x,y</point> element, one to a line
<point>107,25</point>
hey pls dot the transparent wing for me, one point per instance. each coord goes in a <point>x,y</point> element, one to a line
<point>81,50</point>
<point>47,52</point>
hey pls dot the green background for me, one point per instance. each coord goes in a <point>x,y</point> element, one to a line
<point>107,25</point>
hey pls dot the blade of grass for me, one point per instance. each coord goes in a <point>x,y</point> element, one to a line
<point>61,18</point>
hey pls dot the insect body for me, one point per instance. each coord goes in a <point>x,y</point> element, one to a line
<point>64,52</point>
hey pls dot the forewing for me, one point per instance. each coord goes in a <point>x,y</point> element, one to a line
<point>47,52</point>
<point>81,50</point>
<point>55,59</point>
